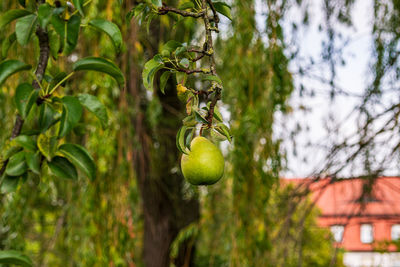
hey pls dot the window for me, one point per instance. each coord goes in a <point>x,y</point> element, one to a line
<point>366,233</point>
<point>337,232</point>
<point>395,231</point>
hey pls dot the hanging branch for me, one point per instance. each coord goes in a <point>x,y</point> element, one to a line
<point>208,48</point>
<point>40,70</point>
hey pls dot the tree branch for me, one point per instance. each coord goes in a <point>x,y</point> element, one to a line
<point>40,70</point>
<point>165,9</point>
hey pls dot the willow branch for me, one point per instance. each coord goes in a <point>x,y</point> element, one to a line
<point>165,9</point>
<point>40,70</point>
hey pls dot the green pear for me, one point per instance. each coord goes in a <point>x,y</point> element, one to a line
<point>204,164</point>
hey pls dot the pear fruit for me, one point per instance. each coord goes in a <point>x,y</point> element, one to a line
<point>204,164</point>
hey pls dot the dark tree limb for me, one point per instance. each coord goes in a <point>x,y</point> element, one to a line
<point>40,70</point>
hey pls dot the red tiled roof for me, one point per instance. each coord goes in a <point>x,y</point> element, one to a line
<point>339,205</point>
<point>341,197</point>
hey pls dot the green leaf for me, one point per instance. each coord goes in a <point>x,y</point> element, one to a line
<point>180,140</point>
<point>47,146</point>
<point>9,185</point>
<point>189,137</point>
<point>24,28</point>
<point>10,67</point>
<point>150,69</point>
<point>200,117</point>
<point>223,8</point>
<point>157,3</point>
<point>11,15</point>
<point>190,121</point>
<point>16,165</point>
<point>62,168</point>
<point>68,31</point>
<point>22,2</point>
<point>72,33</point>
<point>186,5</point>
<point>59,26</point>
<point>80,158</point>
<point>101,65</point>
<point>71,114</point>
<point>110,29</point>
<point>79,6</point>
<point>33,161</point>
<point>27,142</point>
<point>47,117</point>
<point>44,14</point>
<point>54,43</point>
<point>184,62</point>
<point>163,80</point>
<point>170,47</point>
<point>58,78</point>
<point>213,79</point>
<point>7,43</point>
<point>24,96</point>
<point>224,130</point>
<point>93,104</point>
<point>15,257</point>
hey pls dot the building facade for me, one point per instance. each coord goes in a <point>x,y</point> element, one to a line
<point>366,226</point>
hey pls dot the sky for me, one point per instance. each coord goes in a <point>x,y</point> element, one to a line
<point>351,77</point>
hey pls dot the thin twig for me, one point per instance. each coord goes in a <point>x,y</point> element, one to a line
<point>165,9</point>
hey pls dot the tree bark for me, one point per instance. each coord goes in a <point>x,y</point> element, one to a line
<point>165,210</point>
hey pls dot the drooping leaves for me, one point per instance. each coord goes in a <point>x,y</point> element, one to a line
<point>47,117</point>
<point>180,139</point>
<point>25,97</point>
<point>170,47</point>
<point>24,28</point>
<point>223,8</point>
<point>163,80</point>
<point>9,185</point>
<point>68,31</point>
<point>150,69</point>
<point>47,146</point>
<point>79,156</point>
<point>110,29</point>
<point>33,161</point>
<point>71,114</point>
<point>62,168</point>
<point>101,65</point>
<point>10,67</point>
<point>72,34</point>
<point>27,142</point>
<point>7,43</point>
<point>16,165</point>
<point>44,14</point>
<point>11,15</point>
<point>93,104</point>
<point>213,78</point>
<point>79,6</point>
<point>15,257</point>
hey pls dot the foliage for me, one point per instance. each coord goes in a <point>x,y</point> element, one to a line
<point>181,59</point>
<point>100,221</point>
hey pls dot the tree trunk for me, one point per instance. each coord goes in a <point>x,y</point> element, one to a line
<point>155,161</point>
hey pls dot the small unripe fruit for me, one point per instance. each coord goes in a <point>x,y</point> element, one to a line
<point>204,164</point>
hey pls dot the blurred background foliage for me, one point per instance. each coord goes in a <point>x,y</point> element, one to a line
<point>247,219</point>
